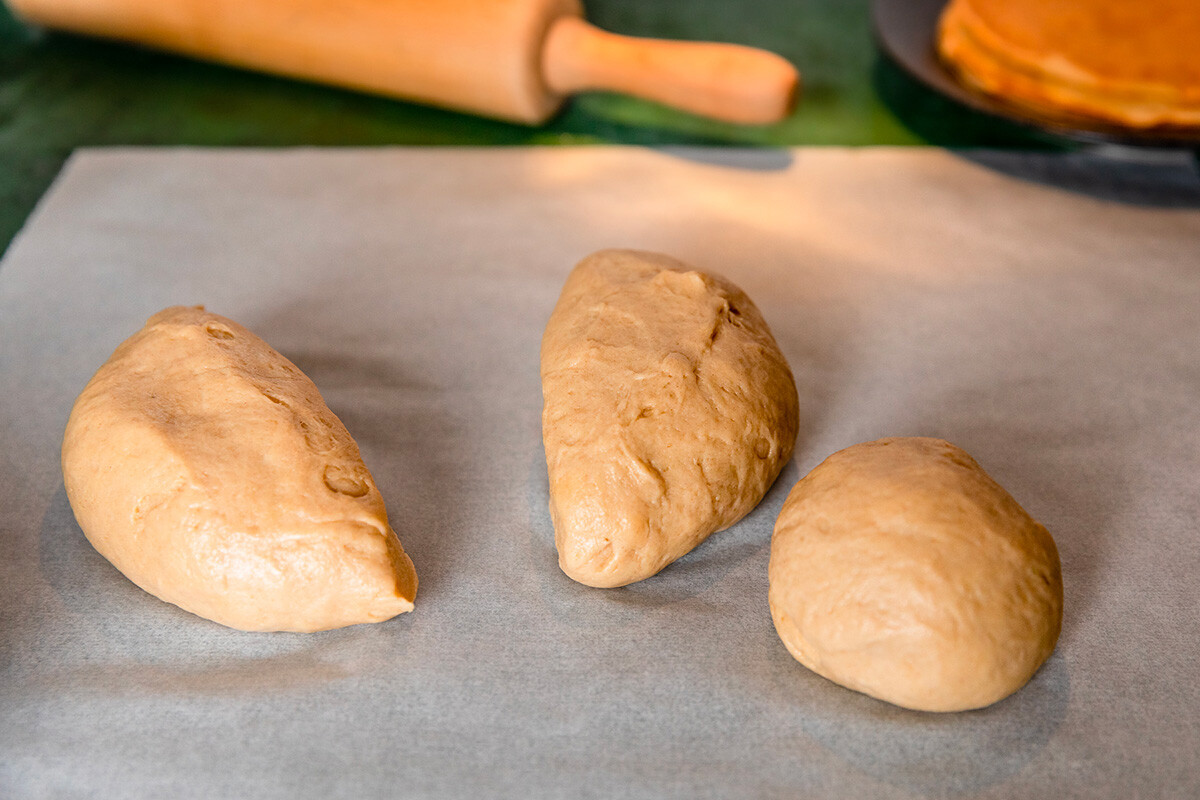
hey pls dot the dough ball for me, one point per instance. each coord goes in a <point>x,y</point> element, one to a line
<point>206,467</point>
<point>899,568</point>
<point>669,411</point>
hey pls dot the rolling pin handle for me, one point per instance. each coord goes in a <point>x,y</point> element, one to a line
<point>724,81</point>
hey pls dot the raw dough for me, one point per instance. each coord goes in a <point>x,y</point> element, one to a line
<point>900,569</point>
<point>206,467</point>
<point>669,411</point>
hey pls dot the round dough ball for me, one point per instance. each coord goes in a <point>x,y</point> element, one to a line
<point>900,569</point>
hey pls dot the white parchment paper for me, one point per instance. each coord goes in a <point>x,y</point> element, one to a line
<point>1041,311</point>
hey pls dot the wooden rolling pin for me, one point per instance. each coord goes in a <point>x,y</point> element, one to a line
<point>512,59</point>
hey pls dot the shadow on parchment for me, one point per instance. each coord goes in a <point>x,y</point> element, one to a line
<point>1129,177</point>
<point>109,636</point>
<point>747,159</point>
<point>689,578</point>
<point>931,755</point>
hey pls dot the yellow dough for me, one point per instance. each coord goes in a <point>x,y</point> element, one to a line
<point>206,467</point>
<point>900,569</point>
<point>669,411</point>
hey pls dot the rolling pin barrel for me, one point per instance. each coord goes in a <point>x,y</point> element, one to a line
<point>512,59</point>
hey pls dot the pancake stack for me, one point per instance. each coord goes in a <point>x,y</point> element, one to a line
<point>1132,63</point>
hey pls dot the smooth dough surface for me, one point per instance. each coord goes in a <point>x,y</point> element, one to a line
<point>1132,63</point>
<point>668,413</point>
<point>206,467</point>
<point>899,568</point>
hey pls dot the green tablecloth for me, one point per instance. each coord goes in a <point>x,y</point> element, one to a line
<point>58,92</point>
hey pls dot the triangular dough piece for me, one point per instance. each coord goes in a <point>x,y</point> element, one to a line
<point>206,467</point>
<point>669,411</point>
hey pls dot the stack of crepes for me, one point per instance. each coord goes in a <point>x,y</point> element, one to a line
<point>1131,62</point>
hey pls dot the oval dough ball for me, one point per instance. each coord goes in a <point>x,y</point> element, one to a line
<point>899,568</point>
<point>206,467</point>
<point>669,411</point>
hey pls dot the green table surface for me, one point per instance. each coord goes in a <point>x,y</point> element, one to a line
<point>59,92</point>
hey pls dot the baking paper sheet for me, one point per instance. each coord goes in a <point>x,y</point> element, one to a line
<point>1041,311</point>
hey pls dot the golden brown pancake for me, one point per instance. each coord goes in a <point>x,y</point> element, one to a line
<point>1132,63</point>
